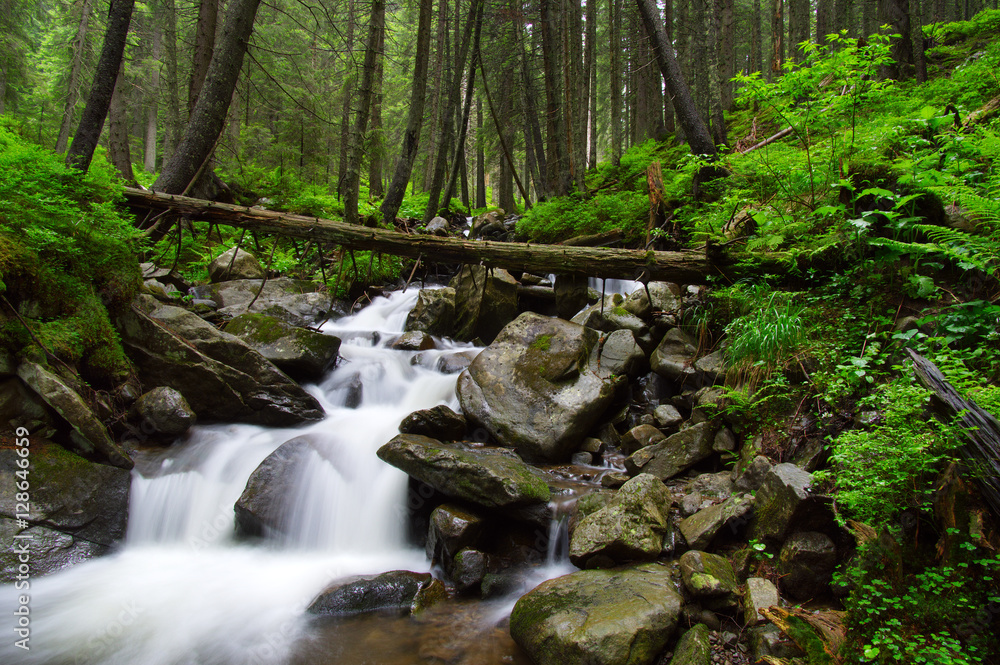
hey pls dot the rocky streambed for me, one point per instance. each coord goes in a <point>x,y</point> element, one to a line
<point>569,490</point>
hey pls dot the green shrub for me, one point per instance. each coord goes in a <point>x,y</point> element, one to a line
<point>67,257</point>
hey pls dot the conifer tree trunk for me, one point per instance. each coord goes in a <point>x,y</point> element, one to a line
<point>917,40</point>
<point>480,160</point>
<point>415,117</point>
<point>118,144</point>
<point>615,15</point>
<point>590,69</point>
<point>376,140</point>
<point>88,133</point>
<point>756,48</point>
<point>687,114</point>
<point>777,39</point>
<point>347,95</point>
<point>352,175</point>
<point>824,20</point>
<point>73,86</point>
<point>152,100</point>
<point>798,27</point>
<point>896,15</point>
<point>209,114</point>
<point>204,46</point>
<point>173,129</point>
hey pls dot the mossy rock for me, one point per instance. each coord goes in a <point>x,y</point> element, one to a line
<point>303,354</point>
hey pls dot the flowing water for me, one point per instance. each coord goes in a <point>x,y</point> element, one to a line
<point>181,591</point>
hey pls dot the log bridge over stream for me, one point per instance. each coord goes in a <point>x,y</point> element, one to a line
<point>690,267</point>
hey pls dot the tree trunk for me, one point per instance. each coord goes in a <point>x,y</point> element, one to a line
<point>347,94</point>
<point>777,39</point>
<point>453,90</point>
<point>756,47</point>
<point>615,14</point>
<point>824,20</point>
<point>687,114</point>
<point>172,135</point>
<point>590,68</point>
<point>682,267</point>
<point>73,86</point>
<point>96,111</point>
<point>798,27</point>
<point>415,117</point>
<point>352,176</point>
<point>153,100</point>
<point>557,156</point>
<point>376,140</point>
<point>209,115</point>
<point>843,16</point>
<point>480,160</point>
<point>204,46</point>
<point>439,94</point>
<point>917,40</point>
<point>896,15</point>
<point>726,41</point>
<point>118,147</point>
<point>868,22</point>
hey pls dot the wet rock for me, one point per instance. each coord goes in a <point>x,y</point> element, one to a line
<point>806,564</point>
<point>674,454</point>
<point>701,528</point>
<point>220,376</point>
<point>614,480</point>
<point>492,478</point>
<point>78,508</point>
<point>263,505</point>
<point>581,457</point>
<point>453,363</point>
<point>596,316</point>
<point>667,416</point>
<point>694,647</point>
<point>533,389</point>
<point>759,594</point>
<point>613,617</point>
<point>164,411</point>
<point>768,640</point>
<point>690,504</point>
<point>397,590</point>
<point>674,355</point>
<point>293,302</point>
<point>485,301</point>
<point>621,355</point>
<point>784,502</point>
<point>751,478</point>
<point>664,297</point>
<point>725,441</point>
<point>92,438</point>
<point>303,354</point>
<point>414,340</point>
<point>437,227</point>
<point>491,218</point>
<point>630,528</point>
<point>709,578</point>
<point>640,437</point>
<point>452,528</point>
<point>712,367</point>
<point>438,422</point>
<point>468,570</point>
<point>235,264</point>
<point>571,295</point>
<point>717,485</point>
<point>434,312</point>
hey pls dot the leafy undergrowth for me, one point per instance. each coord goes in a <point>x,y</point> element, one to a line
<point>67,259</point>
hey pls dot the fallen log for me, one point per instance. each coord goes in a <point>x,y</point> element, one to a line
<point>982,451</point>
<point>683,267</point>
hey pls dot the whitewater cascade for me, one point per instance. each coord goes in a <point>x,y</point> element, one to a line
<point>181,591</point>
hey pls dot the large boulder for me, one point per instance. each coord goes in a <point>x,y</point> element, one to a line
<point>701,528</point>
<point>621,355</point>
<point>694,647</point>
<point>710,579</point>
<point>759,594</point>
<point>78,509</point>
<point>235,264</point>
<point>630,528</point>
<point>624,616</point>
<point>806,564</point>
<point>437,422</point>
<point>674,355</point>
<point>493,478</point>
<point>485,301</point>
<point>264,503</point>
<point>452,528</point>
<point>434,312</point>
<point>296,303</point>
<point>304,355</point>
<point>219,375</point>
<point>675,453</point>
<point>164,411</point>
<point>396,591</point>
<point>89,436</point>
<point>785,503</point>
<point>534,389</point>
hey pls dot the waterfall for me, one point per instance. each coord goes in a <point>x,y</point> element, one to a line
<point>182,591</point>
